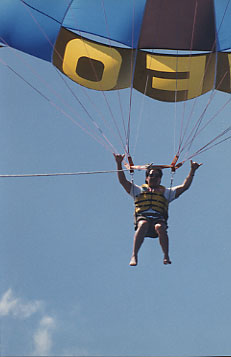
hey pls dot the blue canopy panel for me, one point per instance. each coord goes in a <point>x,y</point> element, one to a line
<point>118,20</point>
<point>222,9</point>
<point>163,24</point>
<point>32,26</point>
<point>55,9</point>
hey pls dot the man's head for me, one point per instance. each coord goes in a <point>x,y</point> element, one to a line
<point>153,177</point>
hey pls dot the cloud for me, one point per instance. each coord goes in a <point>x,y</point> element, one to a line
<point>43,336</point>
<point>10,305</point>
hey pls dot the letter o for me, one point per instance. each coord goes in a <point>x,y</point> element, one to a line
<point>109,57</point>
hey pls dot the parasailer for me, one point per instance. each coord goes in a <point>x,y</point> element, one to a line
<point>170,51</point>
<point>151,206</point>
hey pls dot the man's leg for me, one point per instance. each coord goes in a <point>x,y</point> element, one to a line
<point>161,230</point>
<point>138,240</point>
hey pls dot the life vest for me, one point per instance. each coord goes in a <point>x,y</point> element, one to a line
<point>148,199</point>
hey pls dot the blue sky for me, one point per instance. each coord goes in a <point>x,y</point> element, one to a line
<point>66,285</point>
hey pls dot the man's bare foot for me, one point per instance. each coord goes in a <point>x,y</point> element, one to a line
<point>167,261</point>
<point>133,261</point>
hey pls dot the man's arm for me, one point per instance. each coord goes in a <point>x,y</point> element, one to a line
<point>121,175</point>
<point>187,182</point>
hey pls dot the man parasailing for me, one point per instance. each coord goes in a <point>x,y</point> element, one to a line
<point>151,206</point>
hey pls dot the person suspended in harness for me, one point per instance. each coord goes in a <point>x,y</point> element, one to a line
<point>151,206</point>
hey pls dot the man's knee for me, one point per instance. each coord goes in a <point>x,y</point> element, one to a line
<point>142,224</point>
<point>161,227</point>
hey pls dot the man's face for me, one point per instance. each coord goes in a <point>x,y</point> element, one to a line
<point>153,179</point>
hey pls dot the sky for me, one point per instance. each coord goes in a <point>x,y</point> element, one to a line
<point>66,284</point>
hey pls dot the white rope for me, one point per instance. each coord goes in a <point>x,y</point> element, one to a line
<point>62,174</point>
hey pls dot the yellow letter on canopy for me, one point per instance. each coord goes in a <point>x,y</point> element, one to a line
<point>223,80</point>
<point>169,78</point>
<point>82,57</point>
<point>93,65</point>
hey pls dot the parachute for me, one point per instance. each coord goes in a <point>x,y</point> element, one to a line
<point>170,51</point>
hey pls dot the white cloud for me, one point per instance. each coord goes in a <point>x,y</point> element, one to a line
<point>11,305</point>
<point>43,336</point>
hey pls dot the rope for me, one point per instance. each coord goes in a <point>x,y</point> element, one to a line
<point>193,133</point>
<point>132,73</point>
<point>110,44</point>
<point>93,68</point>
<point>183,132</point>
<point>94,122</point>
<point>61,174</point>
<point>171,183</point>
<point>103,140</point>
<point>138,127</point>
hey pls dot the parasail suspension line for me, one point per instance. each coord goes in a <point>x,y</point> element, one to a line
<point>174,161</point>
<point>171,182</point>
<point>130,161</point>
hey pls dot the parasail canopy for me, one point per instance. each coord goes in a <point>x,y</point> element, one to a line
<point>58,31</point>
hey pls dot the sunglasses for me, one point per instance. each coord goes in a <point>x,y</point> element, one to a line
<point>154,175</point>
